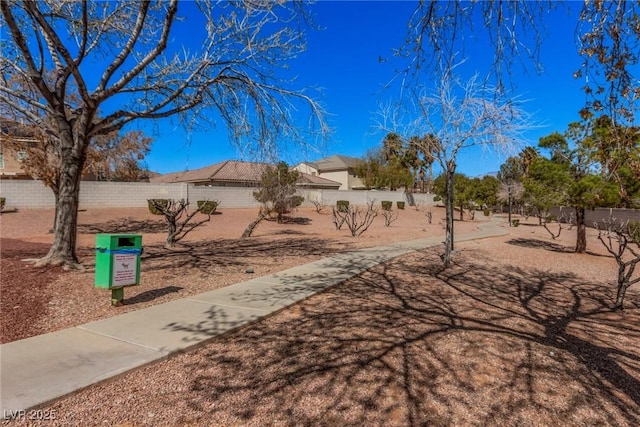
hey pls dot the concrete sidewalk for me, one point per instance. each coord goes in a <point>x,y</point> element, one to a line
<point>38,370</point>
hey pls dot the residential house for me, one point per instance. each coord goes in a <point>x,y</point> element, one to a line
<point>10,158</point>
<point>231,173</point>
<point>335,168</point>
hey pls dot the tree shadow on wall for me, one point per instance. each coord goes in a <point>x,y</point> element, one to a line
<point>408,343</point>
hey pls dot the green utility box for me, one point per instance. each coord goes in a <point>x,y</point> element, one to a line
<point>117,262</point>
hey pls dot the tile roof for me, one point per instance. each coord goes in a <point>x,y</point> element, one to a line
<point>235,171</point>
<point>306,180</point>
<point>227,171</point>
<point>335,162</point>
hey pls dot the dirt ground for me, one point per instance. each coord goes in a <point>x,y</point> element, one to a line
<point>518,332</point>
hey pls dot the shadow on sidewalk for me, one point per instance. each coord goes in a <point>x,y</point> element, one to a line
<point>152,294</point>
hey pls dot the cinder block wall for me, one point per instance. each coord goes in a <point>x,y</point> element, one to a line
<point>26,194</point>
<point>330,197</point>
<point>596,216</point>
<point>34,195</point>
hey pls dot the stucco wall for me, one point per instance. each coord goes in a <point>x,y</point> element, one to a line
<point>338,176</point>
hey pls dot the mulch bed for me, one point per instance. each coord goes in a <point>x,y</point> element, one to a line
<point>24,288</point>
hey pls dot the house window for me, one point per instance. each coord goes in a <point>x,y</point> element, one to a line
<point>21,155</point>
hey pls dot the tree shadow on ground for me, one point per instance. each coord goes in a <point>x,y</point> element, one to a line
<point>206,254</point>
<point>124,225</point>
<point>296,220</point>
<point>150,295</point>
<point>540,244</point>
<point>290,232</point>
<point>408,343</point>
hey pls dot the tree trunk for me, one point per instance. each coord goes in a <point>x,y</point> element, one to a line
<point>63,249</point>
<point>461,213</point>
<point>173,227</point>
<point>622,287</point>
<point>56,196</point>
<point>581,238</point>
<point>73,142</point>
<point>449,212</point>
<point>249,230</point>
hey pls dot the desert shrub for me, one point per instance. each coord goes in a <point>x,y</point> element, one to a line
<point>386,205</point>
<point>400,205</point>
<point>486,211</point>
<point>277,191</point>
<point>515,222</point>
<point>155,203</point>
<point>177,218</point>
<point>297,201</point>
<point>357,219</point>
<point>2,200</point>
<point>429,215</point>
<point>342,205</point>
<point>208,207</point>
<point>633,228</point>
<point>389,216</point>
<point>318,205</point>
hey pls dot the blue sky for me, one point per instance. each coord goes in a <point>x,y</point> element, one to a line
<point>343,59</point>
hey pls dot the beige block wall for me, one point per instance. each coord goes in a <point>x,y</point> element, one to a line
<point>34,195</point>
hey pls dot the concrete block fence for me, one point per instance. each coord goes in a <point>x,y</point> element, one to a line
<point>598,215</point>
<point>330,197</point>
<point>34,195</point>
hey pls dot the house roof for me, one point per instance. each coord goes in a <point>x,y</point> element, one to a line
<point>306,180</point>
<point>235,171</point>
<point>336,162</point>
<point>227,171</point>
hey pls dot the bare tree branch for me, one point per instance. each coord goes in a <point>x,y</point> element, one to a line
<point>620,238</point>
<point>457,115</point>
<point>145,71</point>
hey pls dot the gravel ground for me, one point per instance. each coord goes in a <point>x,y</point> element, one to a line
<point>36,301</point>
<point>518,332</point>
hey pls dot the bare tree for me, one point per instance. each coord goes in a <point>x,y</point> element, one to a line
<point>87,69</point>
<point>173,211</point>
<point>607,35</point>
<point>562,222</point>
<point>339,216</point>
<point>622,240</point>
<point>389,216</point>
<point>358,219</point>
<point>318,205</point>
<point>429,215</point>
<point>455,116</point>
